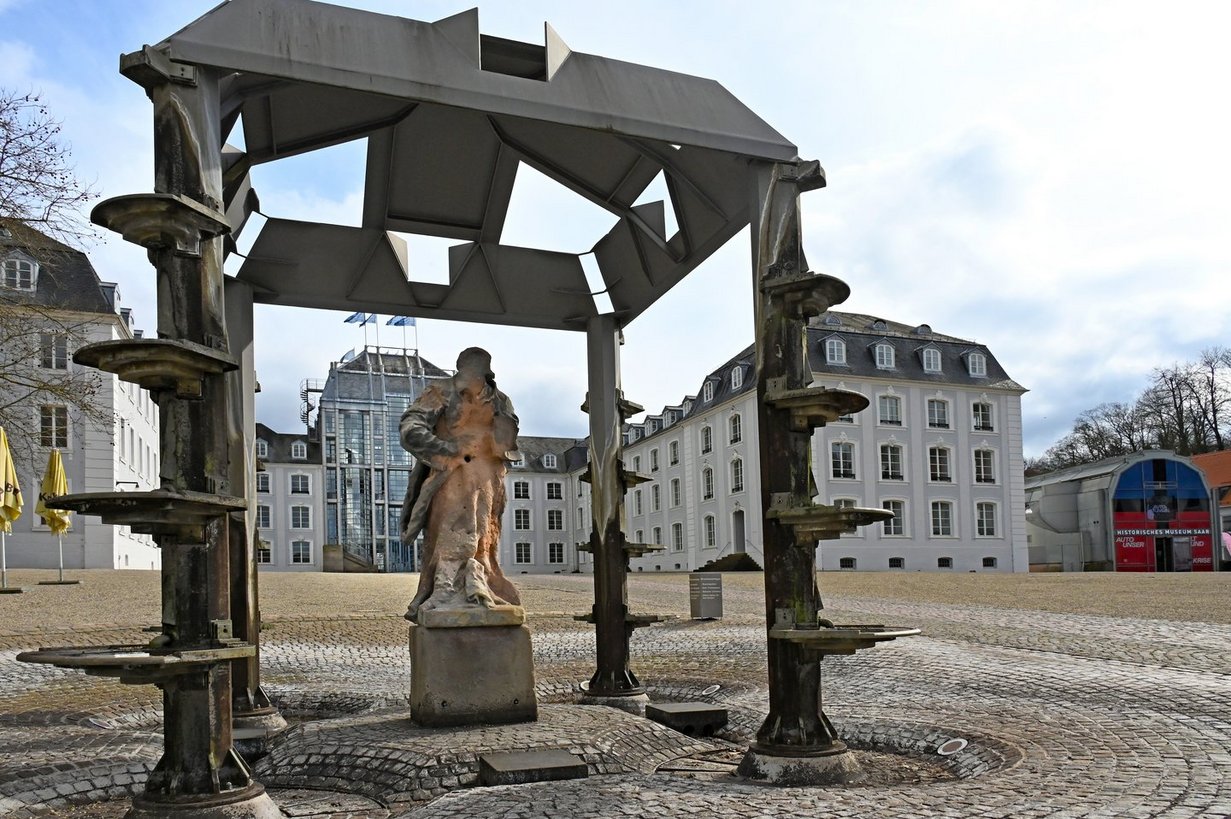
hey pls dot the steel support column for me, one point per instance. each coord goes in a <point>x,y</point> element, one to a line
<point>611,623</point>
<point>795,723</point>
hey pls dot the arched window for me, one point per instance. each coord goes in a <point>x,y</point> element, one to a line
<point>18,274</point>
<point>707,484</point>
<point>711,532</point>
<point>884,356</point>
<point>842,459</point>
<point>262,449</point>
<point>736,424</point>
<point>835,351</point>
<point>737,475</point>
<point>299,450</point>
<point>931,360</point>
<point>976,363</point>
<point>707,438</point>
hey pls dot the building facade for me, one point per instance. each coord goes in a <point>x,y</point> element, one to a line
<point>290,506</point>
<point>51,303</point>
<point>544,516</point>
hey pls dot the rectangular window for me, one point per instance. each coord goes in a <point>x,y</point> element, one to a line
<point>897,563</point>
<point>891,462</point>
<point>985,466</point>
<point>637,503</point>
<point>884,357</point>
<point>707,484</point>
<point>301,517</point>
<point>889,410</point>
<point>938,464</point>
<point>842,459</point>
<point>655,498</point>
<point>938,413</point>
<point>521,519</point>
<point>711,532</point>
<point>658,536</point>
<point>300,485</point>
<point>737,378</point>
<point>835,351</point>
<point>931,360</point>
<point>942,519</point>
<point>18,274</point>
<point>896,526</point>
<point>264,554</point>
<point>737,475</point>
<point>985,519</point>
<point>555,520</point>
<point>989,562</point>
<point>673,453</point>
<point>523,553</point>
<point>846,563</point>
<point>944,563</point>
<point>737,433</point>
<point>636,463</point>
<point>555,553</point>
<point>53,426</point>
<point>521,490</point>
<point>981,412</point>
<point>653,460</point>
<point>301,551</point>
<point>555,491</point>
<point>707,439</point>
<point>675,492</point>
<point>262,482</point>
<point>677,537</point>
<point>262,517</point>
<point>54,348</point>
<point>977,364</point>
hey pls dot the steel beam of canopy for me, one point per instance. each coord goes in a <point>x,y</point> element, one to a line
<point>449,116</point>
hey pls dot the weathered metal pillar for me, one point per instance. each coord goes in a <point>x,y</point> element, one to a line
<point>795,722</point>
<point>254,719</point>
<point>606,406</point>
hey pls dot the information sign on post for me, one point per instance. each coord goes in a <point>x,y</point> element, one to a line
<point>705,595</point>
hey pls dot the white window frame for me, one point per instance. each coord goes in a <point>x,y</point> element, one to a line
<point>53,351</point>
<point>654,459</point>
<point>549,461</point>
<point>262,449</point>
<point>976,365</point>
<point>940,514</point>
<point>931,360</point>
<point>835,351</point>
<point>737,475</point>
<point>707,483</point>
<point>889,453</point>
<point>842,460</point>
<point>656,498</point>
<point>521,520</point>
<point>264,516</point>
<point>889,410</point>
<point>735,426</point>
<point>737,378</point>
<point>885,356</point>
<point>264,553</point>
<point>555,490</point>
<point>677,494</point>
<point>896,526</point>
<point>938,411</point>
<point>521,490</point>
<point>518,558</point>
<point>711,531</point>
<point>304,513</point>
<point>940,456</point>
<point>637,507</point>
<point>987,512</point>
<point>555,554</point>
<point>707,439</point>
<point>53,426</point>
<point>262,482</point>
<point>707,392</point>
<point>976,412</point>
<point>307,480</point>
<point>294,553</point>
<point>555,520</point>
<point>657,533</point>
<point>984,465</point>
<point>673,453</point>
<point>11,271</point>
<point>677,537</point>
<point>299,451</point>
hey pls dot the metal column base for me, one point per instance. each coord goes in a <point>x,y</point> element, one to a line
<point>632,703</point>
<point>252,731</point>
<point>245,803</point>
<point>833,766</point>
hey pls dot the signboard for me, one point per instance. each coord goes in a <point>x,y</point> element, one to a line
<point>705,595</point>
<point>1161,519</point>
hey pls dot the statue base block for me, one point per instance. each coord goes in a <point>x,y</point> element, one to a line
<point>471,676</point>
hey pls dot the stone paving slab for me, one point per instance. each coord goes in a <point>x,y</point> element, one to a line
<point>1067,714</point>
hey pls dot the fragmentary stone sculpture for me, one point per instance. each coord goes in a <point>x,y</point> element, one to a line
<point>463,433</point>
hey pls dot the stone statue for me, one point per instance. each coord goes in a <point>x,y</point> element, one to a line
<point>463,433</point>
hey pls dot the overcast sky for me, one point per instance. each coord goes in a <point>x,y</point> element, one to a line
<point>1049,179</point>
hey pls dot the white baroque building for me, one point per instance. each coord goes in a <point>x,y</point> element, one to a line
<point>290,507</point>
<point>53,302</point>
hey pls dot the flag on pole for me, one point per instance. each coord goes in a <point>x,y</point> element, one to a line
<point>360,318</point>
<point>401,321</point>
<point>10,492</point>
<point>55,485</point>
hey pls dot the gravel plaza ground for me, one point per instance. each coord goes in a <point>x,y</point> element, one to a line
<point>1079,695</point>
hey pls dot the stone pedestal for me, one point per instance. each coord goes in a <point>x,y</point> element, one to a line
<point>469,676</point>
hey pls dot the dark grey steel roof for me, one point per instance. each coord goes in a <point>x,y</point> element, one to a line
<point>534,447</point>
<point>280,443</point>
<point>449,115</point>
<point>66,279</point>
<point>1104,468</point>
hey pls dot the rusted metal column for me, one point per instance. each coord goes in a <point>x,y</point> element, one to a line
<point>795,723</point>
<point>613,678</point>
<point>254,719</point>
<point>199,767</point>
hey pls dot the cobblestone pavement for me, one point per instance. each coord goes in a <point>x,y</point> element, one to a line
<point>1069,709</point>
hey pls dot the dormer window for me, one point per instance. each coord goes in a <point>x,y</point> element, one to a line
<point>884,356</point>
<point>549,461</point>
<point>687,407</point>
<point>835,351</point>
<point>833,320</point>
<point>737,378</point>
<point>976,363</point>
<point>19,274</point>
<point>707,392</point>
<point>299,450</point>
<point>879,324</point>
<point>262,449</point>
<point>931,360</point>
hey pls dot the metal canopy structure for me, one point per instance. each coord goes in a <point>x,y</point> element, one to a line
<point>449,114</point>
